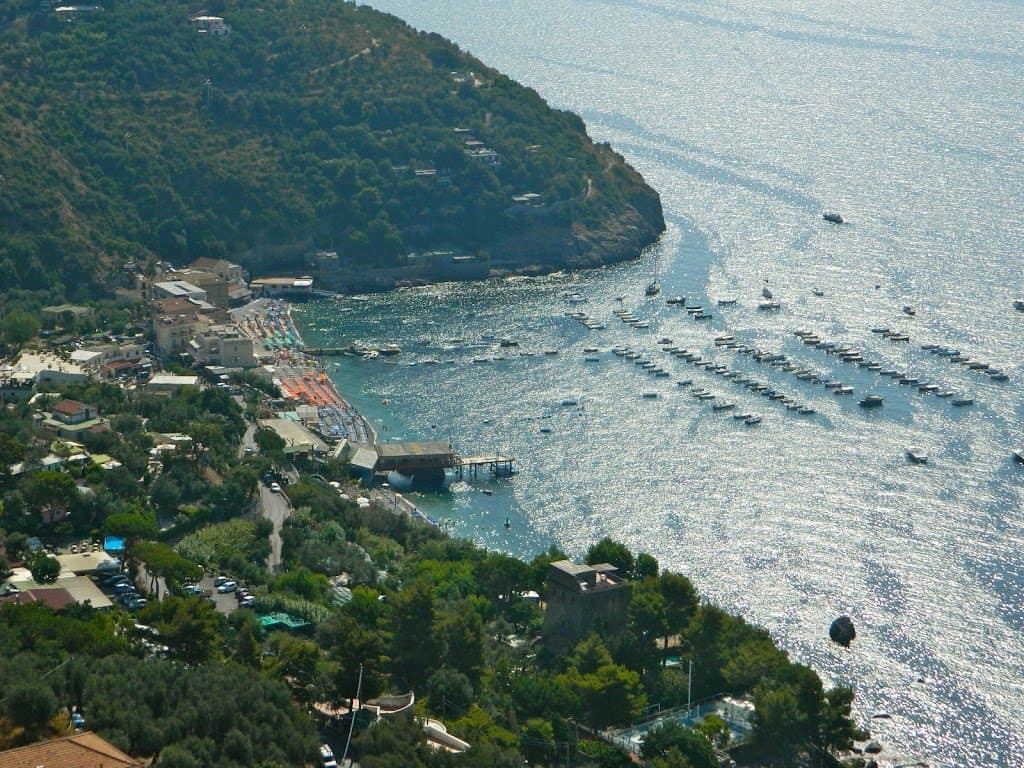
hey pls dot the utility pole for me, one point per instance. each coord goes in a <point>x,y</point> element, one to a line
<point>689,685</point>
<point>352,713</point>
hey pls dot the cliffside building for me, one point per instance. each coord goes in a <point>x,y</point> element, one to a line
<point>583,599</point>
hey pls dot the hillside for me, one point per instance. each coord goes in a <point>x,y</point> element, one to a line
<point>131,135</point>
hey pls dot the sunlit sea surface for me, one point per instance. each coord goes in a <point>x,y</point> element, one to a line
<point>751,118</point>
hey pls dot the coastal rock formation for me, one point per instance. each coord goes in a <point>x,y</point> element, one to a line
<point>842,631</point>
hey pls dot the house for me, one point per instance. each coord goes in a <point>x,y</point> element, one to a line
<point>233,273</point>
<point>223,345</point>
<point>211,25</point>
<point>64,315</point>
<point>110,360</point>
<point>168,383</point>
<point>178,289</point>
<point>82,750</point>
<point>72,412</point>
<point>297,438</point>
<point>38,367</point>
<point>583,599</point>
<point>282,286</point>
<point>215,286</point>
<point>72,420</point>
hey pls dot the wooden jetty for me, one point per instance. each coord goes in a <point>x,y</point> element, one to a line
<point>496,465</point>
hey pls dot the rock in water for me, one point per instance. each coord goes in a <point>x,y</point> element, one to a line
<point>842,631</point>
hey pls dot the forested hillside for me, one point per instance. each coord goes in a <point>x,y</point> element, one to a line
<point>129,135</point>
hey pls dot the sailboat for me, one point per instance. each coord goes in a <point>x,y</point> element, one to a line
<point>653,288</point>
<point>766,292</point>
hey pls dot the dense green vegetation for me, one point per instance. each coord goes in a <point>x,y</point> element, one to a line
<point>388,600</point>
<point>130,135</point>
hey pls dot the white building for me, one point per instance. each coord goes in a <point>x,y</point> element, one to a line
<point>211,25</point>
<point>34,367</point>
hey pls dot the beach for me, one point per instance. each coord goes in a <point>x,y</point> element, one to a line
<point>300,377</point>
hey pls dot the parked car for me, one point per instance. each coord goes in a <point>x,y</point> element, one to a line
<point>122,587</point>
<point>227,586</point>
<point>135,603</point>
<point>220,580</point>
<point>193,589</point>
<point>247,602</point>
<point>275,488</point>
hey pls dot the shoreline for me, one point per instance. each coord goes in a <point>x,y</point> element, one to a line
<point>300,376</point>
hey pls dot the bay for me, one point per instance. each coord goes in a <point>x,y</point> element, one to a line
<point>751,119</point>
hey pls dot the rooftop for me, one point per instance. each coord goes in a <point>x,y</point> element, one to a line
<point>179,288</point>
<point>82,750</point>
<point>419,448</point>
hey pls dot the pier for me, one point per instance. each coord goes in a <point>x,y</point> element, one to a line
<point>326,351</point>
<point>496,466</point>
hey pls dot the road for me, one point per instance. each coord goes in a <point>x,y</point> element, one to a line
<point>275,508</point>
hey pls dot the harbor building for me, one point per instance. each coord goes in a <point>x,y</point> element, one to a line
<point>410,458</point>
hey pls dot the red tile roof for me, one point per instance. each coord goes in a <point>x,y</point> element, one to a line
<point>83,750</point>
<point>56,598</point>
<point>69,407</point>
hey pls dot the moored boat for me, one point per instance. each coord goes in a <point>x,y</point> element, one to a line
<point>917,454</point>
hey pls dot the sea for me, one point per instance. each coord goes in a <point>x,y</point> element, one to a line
<point>752,119</point>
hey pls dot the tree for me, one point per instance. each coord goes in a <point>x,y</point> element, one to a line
<point>450,692</point>
<point>646,567</point>
<point>130,525</point>
<point>673,735</point>
<point>780,728</point>
<point>163,562</point>
<point>610,551</point>
<point>19,327</point>
<point>715,730</point>
<point>51,493</point>
<point>838,731</point>
<point>190,628</point>
<point>680,601</point>
<point>270,444</point>
<point>30,706</point>
<point>44,569</point>
<point>415,650</point>
<point>460,632</point>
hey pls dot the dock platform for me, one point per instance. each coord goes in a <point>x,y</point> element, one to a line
<point>495,466</point>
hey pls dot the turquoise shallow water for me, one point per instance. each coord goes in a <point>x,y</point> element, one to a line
<point>750,119</point>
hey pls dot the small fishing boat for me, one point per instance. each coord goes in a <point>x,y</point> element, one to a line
<point>917,455</point>
<point>870,401</point>
<point>832,217</point>
<point>960,402</point>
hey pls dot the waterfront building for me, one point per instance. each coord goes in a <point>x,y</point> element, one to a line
<point>583,599</point>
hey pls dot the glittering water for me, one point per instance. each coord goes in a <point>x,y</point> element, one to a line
<point>750,119</point>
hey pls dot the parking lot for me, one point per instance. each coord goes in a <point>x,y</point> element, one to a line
<point>224,602</point>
